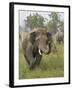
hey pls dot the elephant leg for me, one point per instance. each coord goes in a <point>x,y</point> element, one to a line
<point>29,56</point>
<point>38,59</point>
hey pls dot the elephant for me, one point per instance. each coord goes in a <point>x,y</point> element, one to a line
<point>36,43</point>
<point>59,37</point>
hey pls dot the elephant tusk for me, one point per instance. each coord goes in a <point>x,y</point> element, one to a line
<point>40,52</point>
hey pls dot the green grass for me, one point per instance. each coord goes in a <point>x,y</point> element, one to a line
<point>51,65</point>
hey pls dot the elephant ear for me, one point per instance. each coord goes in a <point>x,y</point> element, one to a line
<point>32,37</point>
<point>49,35</point>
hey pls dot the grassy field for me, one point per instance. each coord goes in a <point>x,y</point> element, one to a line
<point>52,65</point>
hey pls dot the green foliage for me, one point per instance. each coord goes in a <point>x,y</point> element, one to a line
<point>52,65</point>
<point>34,20</point>
<point>54,22</point>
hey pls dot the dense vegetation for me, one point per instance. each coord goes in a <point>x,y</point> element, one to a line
<point>52,65</point>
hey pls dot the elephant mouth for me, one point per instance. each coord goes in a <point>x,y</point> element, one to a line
<point>40,52</point>
<point>45,51</point>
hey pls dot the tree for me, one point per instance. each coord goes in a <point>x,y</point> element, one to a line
<point>34,21</point>
<point>54,22</point>
<point>61,26</point>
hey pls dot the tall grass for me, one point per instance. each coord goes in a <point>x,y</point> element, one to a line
<point>51,65</point>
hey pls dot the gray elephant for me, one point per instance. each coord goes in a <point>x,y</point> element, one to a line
<point>35,43</point>
<point>59,37</point>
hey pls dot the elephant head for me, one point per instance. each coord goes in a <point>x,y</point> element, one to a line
<point>41,39</point>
